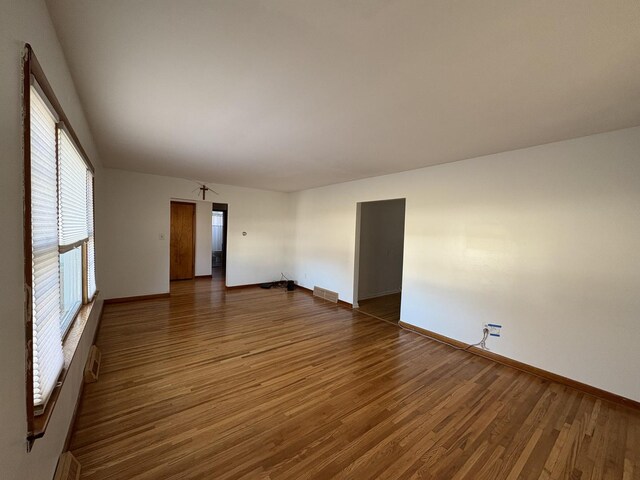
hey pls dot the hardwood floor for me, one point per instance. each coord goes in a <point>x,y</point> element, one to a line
<point>385,308</point>
<point>262,384</point>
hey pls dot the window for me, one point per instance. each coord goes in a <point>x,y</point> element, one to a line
<point>70,286</point>
<point>59,237</point>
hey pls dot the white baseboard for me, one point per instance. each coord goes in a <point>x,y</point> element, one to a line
<point>369,296</point>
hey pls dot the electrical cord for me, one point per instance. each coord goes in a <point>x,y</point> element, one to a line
<point>282,283</point>
<point>482,343</point>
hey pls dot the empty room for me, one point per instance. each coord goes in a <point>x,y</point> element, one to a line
<point>304,239</point>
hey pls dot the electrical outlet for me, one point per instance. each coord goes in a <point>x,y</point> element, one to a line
<point>494,329</point>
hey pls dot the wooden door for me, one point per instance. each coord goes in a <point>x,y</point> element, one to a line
<point>182,250</point>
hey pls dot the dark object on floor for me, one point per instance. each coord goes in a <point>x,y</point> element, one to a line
<point>266,285</point>
<point>290,285</point>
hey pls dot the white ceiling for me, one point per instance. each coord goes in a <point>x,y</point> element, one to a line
<point>292,94</point>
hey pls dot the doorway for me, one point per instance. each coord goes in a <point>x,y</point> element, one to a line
<point>183,241</point>
<point>379,256</point>
<point>219,214</point>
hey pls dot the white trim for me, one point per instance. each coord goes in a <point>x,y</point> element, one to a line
<point>380,294</point>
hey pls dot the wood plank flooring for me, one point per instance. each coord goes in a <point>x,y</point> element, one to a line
<point>385,308</point>
<point>259,384</point>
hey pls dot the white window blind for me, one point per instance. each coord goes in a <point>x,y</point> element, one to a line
<point>91,262</point>
<point>48,359</point>
<point>73,191</point>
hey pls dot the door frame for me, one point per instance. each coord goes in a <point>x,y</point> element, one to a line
<point>356,256</point>
<point>224,208</point>
<point>193,246</point>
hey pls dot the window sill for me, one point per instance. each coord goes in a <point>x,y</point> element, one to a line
<point>69,348</point>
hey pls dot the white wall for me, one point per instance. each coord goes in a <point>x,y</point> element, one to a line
<point>28,21</point>
<point>381,244</point>
<point>135,259</point>
<point>543,240</point>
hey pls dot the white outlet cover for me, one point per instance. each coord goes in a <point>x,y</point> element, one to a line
<point>494,329</point>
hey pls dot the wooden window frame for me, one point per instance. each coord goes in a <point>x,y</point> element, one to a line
<point>37,425</point>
